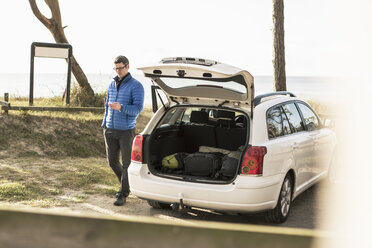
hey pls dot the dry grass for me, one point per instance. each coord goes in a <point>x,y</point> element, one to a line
<point>43,182</point>
<point>323,108</point>
<point>50,159</point>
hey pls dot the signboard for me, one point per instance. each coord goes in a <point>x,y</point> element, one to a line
<point>50,50</point>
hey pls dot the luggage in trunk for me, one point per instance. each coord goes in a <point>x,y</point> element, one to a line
<point>174,161</point>
<point>229,166</point>
<point>202,164</point>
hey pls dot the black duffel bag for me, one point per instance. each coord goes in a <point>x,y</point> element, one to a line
<point>202,164</point>
<point>229,166</point>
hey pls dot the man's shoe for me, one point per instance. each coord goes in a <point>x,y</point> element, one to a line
<point>120,200</point>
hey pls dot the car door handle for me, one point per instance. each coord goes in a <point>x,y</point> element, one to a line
<point>315,140</point>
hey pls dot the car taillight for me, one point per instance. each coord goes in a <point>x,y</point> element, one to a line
<point>137,148</point>
<point>253,160</point>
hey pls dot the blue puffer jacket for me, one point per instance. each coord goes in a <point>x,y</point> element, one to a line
<point>131,96</point>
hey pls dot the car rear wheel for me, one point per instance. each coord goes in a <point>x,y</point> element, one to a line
<point>281,211</point>
<point>159,205</point>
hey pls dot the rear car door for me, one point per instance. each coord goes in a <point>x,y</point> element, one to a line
<point>322,138</point>
<point>302,144</point>
<point>194,80</point>
<point>289,140</point>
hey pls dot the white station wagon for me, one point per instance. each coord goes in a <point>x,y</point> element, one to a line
<point>214,145</point>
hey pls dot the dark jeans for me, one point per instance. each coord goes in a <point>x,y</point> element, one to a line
<point>117,142</point>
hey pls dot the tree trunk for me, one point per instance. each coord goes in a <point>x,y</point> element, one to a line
<point>54,24</point>
<point>279,54</point>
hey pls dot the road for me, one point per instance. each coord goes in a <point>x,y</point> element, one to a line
<point>306,211</point>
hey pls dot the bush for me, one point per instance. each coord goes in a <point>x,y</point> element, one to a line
<point>80,97</point>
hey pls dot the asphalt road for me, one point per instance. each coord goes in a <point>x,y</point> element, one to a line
<point>306,212</point>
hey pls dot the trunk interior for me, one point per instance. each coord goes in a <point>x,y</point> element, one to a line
<point>198,144</point>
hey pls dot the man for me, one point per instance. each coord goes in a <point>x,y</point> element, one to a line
<point>124,103</point>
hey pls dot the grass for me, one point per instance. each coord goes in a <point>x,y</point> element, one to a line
<point>18,184</point>
<point>16,191</point>
<point>88,177</point>
<point>56,134</point>
<point>77,98</point>
<point>41,182</point>
<point>29,134</point>
<point>23,101</point>
<point>52,159</point>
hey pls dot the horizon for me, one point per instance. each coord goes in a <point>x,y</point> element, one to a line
<point>52,84</point>
<point>141,74</point>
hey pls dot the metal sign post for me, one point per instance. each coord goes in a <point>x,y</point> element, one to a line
<point>50,50</point>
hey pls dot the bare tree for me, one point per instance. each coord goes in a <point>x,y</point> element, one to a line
<point>54,24</point>
<point>279,54</point>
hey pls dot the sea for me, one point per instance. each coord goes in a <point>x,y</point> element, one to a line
<point>323,89</point>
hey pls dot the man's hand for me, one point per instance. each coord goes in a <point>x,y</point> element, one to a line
<point>115,105</point>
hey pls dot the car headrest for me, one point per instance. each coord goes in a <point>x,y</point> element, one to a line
<point>224,114</point>
<point>226,123</point>
<point>199,117</point>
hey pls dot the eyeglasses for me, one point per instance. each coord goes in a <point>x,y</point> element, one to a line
<point>119,68</point>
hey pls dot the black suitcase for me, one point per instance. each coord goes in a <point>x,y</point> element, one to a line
<point>229,166</point>
<point>202,164</point>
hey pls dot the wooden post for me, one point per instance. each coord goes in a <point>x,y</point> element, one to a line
<point>31,97</point>
<point>68,78</point>
<point>6,99</point>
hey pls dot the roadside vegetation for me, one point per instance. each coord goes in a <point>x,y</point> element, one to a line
<point>323,108</point>
<point>50,159</point>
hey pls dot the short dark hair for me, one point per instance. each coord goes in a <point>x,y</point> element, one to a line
<point>121,59</point>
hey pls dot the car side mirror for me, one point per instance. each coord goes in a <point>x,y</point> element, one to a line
<point>329,123</point>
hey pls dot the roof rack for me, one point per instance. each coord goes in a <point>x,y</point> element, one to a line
<point>188,60</point>
<point>257,99</point>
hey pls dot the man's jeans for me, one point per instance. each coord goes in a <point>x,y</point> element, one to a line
<point>118,141</point>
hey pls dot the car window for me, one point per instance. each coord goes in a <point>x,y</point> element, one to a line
<point>286,127</point>
<point>274,122</point>
<point>277,123</point>
<point>187,114</point>
<point>294,117</point>
<point>310,119</point>
<point>168,116</point>
<point>184,82</point>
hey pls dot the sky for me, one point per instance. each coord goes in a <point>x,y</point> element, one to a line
<point>321,37</point>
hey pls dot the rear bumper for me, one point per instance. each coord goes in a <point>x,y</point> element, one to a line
<point>245,194</point>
